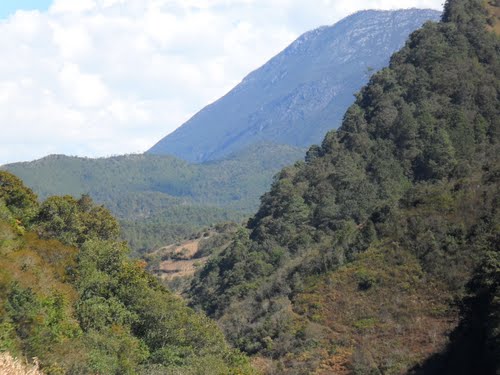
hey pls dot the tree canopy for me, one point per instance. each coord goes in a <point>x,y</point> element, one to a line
<point>71,296</point>
<point>413,165</point>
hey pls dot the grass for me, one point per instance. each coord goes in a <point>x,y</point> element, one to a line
<point>13,366</point>
<point>381,311</point>
<point>494,11</point>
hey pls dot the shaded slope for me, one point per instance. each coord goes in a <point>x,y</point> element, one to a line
<point>301,93</point>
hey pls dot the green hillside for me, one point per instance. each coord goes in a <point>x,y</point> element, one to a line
<point>377,254</point>
<point>71,297</point>
<point>160,199</point>
<point>363,258</point>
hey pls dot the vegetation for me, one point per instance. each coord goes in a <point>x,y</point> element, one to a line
<point>161,199</point>
<point>302,92</point>
<point>71,297</point>
<point>378,254</point>
<point>399,205</point>
<point>176,264</point>
<point>13,366</point>
<point>493,7</point>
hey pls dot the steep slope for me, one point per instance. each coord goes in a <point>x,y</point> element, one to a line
<point>160,199</point>
<point>301,93</point>
<point>71,297</point>
<point>354,257</point>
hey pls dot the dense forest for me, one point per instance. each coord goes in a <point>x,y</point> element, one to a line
<point>364,257</point>
<point>71,297</point>
<point>160,199</point>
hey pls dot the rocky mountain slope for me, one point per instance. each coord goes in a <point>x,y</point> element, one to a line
<point>301,93</point>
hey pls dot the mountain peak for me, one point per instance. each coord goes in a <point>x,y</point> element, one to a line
<point>299,94</point>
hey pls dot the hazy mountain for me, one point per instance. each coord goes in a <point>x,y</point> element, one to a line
<point>301,93</point>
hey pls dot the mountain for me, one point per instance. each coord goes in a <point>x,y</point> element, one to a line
<point>379,254</point>
<point>160,199</point>
<point>301,93</point>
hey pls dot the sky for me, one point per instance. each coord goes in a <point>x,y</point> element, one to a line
<point>8,7</point>
<point>107,77</point>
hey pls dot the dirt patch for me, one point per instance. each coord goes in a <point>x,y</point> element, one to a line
<point>178,260</point>
<point>171,269</point>
<point>187,249</point>
<point>493,7</point>
<point>12,366</point>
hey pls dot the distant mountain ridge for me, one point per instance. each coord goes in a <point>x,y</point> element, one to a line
<point>158,198</point>
<point>302,92</point>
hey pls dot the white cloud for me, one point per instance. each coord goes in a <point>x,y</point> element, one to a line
<point>71,6</point>
<point>85,90</point>
<point>101,77</point>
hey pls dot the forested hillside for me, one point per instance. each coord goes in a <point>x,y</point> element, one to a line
<point>160,199</point>
<point>363,258</point>
<point>71,297</point>
<point>377,254</point>
<point>301,93</point>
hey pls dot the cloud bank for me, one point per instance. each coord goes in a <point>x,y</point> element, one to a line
<point>102,77</point>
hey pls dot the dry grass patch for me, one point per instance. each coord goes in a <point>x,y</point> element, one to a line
<point>180,261</point>
<point>493,7</point>
<point>13,366</point>
<point>379,312</point>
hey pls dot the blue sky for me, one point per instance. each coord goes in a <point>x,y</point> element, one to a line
<point>106,77</point>
<point>8,7</point>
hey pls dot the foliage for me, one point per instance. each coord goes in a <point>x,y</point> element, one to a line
<point>350,264</point>
<point>475,341</point>
<point>19,199</point>
<point>479,330</point>
<point>75,221</point>
<point>173,225</point>
<point>160,199</point>
<point>415,164</point>
<point>70,296</point>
